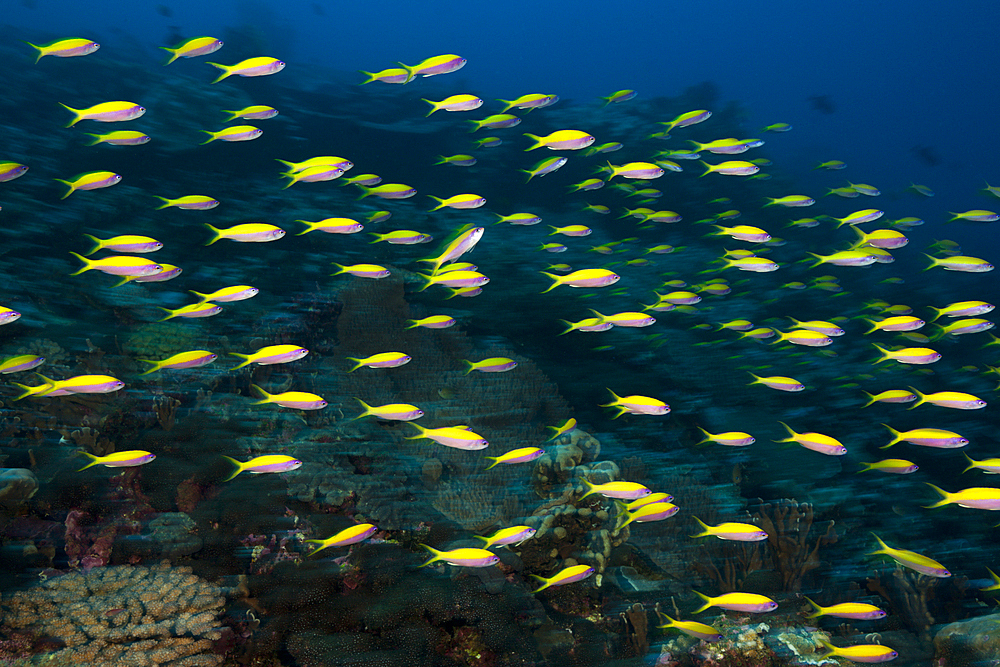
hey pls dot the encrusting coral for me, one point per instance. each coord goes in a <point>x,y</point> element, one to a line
<point>161,615</point>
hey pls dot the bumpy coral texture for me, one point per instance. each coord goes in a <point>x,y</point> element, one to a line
<point>124,615</point>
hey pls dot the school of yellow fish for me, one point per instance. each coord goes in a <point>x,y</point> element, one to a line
<point>635,503</point>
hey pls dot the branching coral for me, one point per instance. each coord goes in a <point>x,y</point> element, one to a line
<point>792,553</point>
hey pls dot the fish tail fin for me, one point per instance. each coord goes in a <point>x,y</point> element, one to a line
<point>291,181</point>
<point>496,461</point>
<point>87,264</point>
<point>232,114</point>
<point>226,71</point>
<point>317,549</point>
<point>170,314</point>
<point>41,52</point>
<point>569,327</point>
<point>245,357</point>
<point>211,137</point>
<point>93,460</point>
<point>555,282</point>
<point>486,540</point>
<point>357,364</point>
<point>708,169</point>
<point>871,399</point>
<point>895,436</point>
<point>93,142</point>
<point>819,260</point>
<point>883,547</point>
<point>545,583</point>
<point>216,231</point>
<point>536,139</point>
<point>367,411</point>
<point>67,184</point>
<point>174,54</point>
<point>972,464</point>
<point>945,497</point>
<point>266,396</point>
<point>921,398</point>
<point>816,609</point>
<point>156,366</point>
<point>165,204</point>
<point>883,351</point>
<point>708,602</point>
<point>97,244</point>
<point>440,202</point>
<point>434,106</point>
<point>77,115</point>
<point>435,555</point>
<point>125,279</point>
<point>29,391</point>
<point>429,279</point>
<point>829,647</point>
<point>938,312</point>
<point>874,326</point>
<point>469,366</point>
<point>371,77</point>
<point>704,528</point>
<point>934,262</point>
<point>204,297</point>
<point>239,468</point>
<point>409,72</point>
<point>365,191</point>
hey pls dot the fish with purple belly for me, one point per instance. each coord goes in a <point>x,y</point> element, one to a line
<point>891,466</point>
<point>567,575</point>
<point>949,399</point>
<point>857,611</point>
<point>927,437</point>
<point>119,138</point>
<point>233,133</point>
<point>464,201</point>
<point>189,202</point>
<point>546,166</point>
<point>8,315</point>
<point>11,170</point>
<point>119,265</point>
<point>686,119</point>
<point>269,463</point>
<point>433,322</point>
<point>455,103</point>
<point>980,498</point>
<point>731,168</point>
<point>296,400</point>
<point>467,557</point>
<point>455,279</point>
<point>261,66</point>
<point>127,459</point>
<point>521,455</point>
<point>909,355</point>
<point>20,363</point>
<point>106,112</point>
<point>912,560</point>
<point>491,365</point>
<point>816,442</point>
<point>192,48</point>
<point>65,48</point>
<point>691,628</point>
<point>583,278</point>
<point>638,170</point>
<point>464,241</point>
<point>332,226</point>
<point>616,489</point>
<point>380,360</point>
<point>191,311</point>
<point>647,513</point>
<point>80,384</point>
<point>125,243</point>
<point>251,232</point>
<point>860,653</point>
<point>506,536</point>
<point>252,112</point>
<point>229,294</point>
<point>387,191</point>
<point>433,66</point>
<point>190,359</point>
<point>272,354</point>
<point>91,180</point>
<point>403,412</point>
<point>317,174</point>
<point>636,405</point>
<point>729,439</point>
<point>561,140</point>
<point>457,437</point>
<point>745,602</point>
<point>495,122</point>
<point>391,75</point>
<point>345,538</point>
<point>737,532</point>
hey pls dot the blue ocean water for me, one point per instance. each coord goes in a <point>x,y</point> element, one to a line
<point>896,92</point>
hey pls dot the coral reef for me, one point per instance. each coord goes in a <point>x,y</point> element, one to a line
<point>124,615</point>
